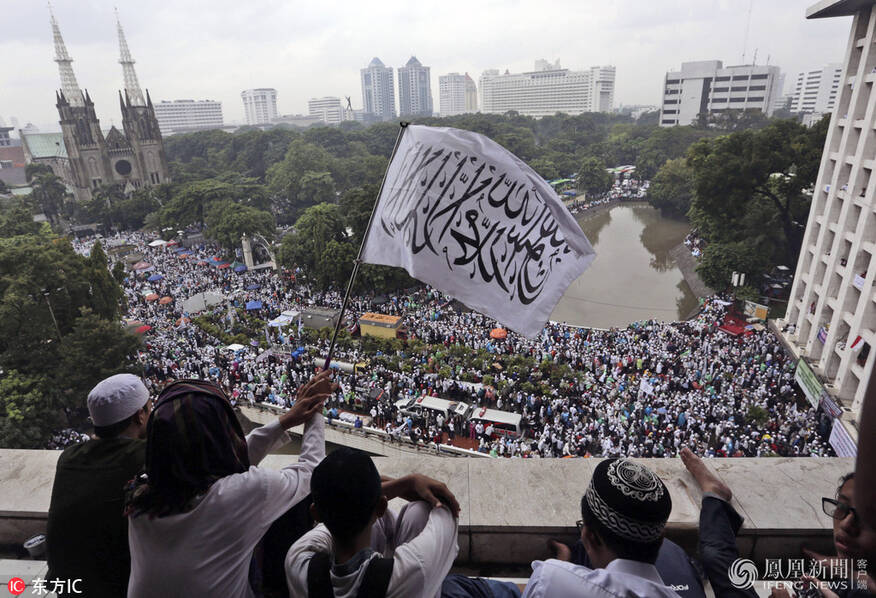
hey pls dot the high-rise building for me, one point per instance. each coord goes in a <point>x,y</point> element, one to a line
<point>471,94</point>
<point>707,87</point>
<point>547,90</point>
<point>378,91</point>
<point>259,105</point>
<point>329,109</point>
<point>414,89</point>
<point>815,91</point>
<point>831,315</point>
<point>457,94</point>
<point>81,156</point>
<point>188,115</point>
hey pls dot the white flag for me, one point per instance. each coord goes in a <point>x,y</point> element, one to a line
<point>465,215</point>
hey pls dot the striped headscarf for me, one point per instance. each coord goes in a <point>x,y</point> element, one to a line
<point>193,438</point>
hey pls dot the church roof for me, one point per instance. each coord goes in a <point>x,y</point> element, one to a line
<point>44,145</point>
<point>115,139</point>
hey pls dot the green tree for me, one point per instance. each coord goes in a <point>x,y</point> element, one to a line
<point>95,349</point>
<point>671,190</point>
<point>16,219</point>
<point>48,192</point>
<point>44,281</point>
<point>285,178</point>
<point>3,187</point>
<point>26,414</point>
<point>764,173</point>
<point>35,168</point>
<point>356,206</point>
<point>227,222</point>
<point>314,230</point>
<point>316,187</point>
<point>665,143</point>
<point>545,168</point>
<point>720,260</point>
<point>336,263</point>
<point>593,177</point>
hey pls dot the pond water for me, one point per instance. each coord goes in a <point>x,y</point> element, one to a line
<point>633,276</point>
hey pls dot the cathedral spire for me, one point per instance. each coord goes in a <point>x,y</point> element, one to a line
<point>132,86</point>
<point>65,66</point>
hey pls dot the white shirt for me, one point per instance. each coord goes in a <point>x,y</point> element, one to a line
<point>207,551</point>
<point>419,569</point>
<point>622,578</point>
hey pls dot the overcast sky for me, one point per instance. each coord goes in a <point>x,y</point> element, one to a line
<point>213,49</point>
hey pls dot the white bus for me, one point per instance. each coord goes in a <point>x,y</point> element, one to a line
<point>504,422</point>
<point>416,405</point>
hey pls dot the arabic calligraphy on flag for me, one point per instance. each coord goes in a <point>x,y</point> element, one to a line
<point>463,214</point>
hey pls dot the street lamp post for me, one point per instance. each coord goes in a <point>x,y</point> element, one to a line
<point>52,312</point>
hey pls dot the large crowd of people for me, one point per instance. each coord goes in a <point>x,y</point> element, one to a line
<point>643,391</point>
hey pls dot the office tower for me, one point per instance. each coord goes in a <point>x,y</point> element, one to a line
<point>378,93</point>
<point>707,87</point>
<point>259,105</point>
<point>414,89</point>
<point>457,94</point>
<point>815,91</point>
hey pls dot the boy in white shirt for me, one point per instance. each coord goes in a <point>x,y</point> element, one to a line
<point>344,551</point>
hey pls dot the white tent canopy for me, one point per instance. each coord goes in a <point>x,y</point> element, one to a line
<point>157,243</point>
<point>201,301</point>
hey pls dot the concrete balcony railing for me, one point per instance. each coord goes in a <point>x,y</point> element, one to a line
<point>510,507</point>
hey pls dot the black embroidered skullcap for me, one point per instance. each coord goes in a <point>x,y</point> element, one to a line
<point>629,499</point>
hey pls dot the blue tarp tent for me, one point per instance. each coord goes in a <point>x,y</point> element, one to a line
<point>155,278</point>
<point>240,268</point>
<point>253,287</point>
<point>250,305</point>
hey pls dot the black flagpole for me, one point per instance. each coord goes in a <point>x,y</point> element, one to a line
<point>358,261</point>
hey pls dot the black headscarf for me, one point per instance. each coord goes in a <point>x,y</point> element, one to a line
<point>193,439</point>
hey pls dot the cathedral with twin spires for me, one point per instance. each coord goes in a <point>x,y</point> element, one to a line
<point>133,157</point>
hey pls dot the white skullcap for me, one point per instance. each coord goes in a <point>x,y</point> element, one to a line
<point>115,398</point>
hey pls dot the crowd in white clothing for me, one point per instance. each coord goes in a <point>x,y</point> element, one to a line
<point>644,391</point>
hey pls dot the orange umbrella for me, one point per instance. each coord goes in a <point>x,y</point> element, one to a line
<point>182,321</point>
<point>165,300</point>
<point>151,297</point>
<point>498,333</point>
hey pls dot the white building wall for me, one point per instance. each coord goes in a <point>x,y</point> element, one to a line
<point>378,90</point>
<point>329,109</point>
<point>832,300</point>
<point>259,105</point>
<point>187,115</point>
<point>816,91</point>
<point>452,89</point>
<point>707,86</point>
<point>546,92</point>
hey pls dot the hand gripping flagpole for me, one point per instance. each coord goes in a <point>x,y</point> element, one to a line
<point>358,261</point>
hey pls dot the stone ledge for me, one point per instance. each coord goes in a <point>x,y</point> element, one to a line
<point>510,507</point>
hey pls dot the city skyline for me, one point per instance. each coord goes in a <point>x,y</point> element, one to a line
<point>306,54</point>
